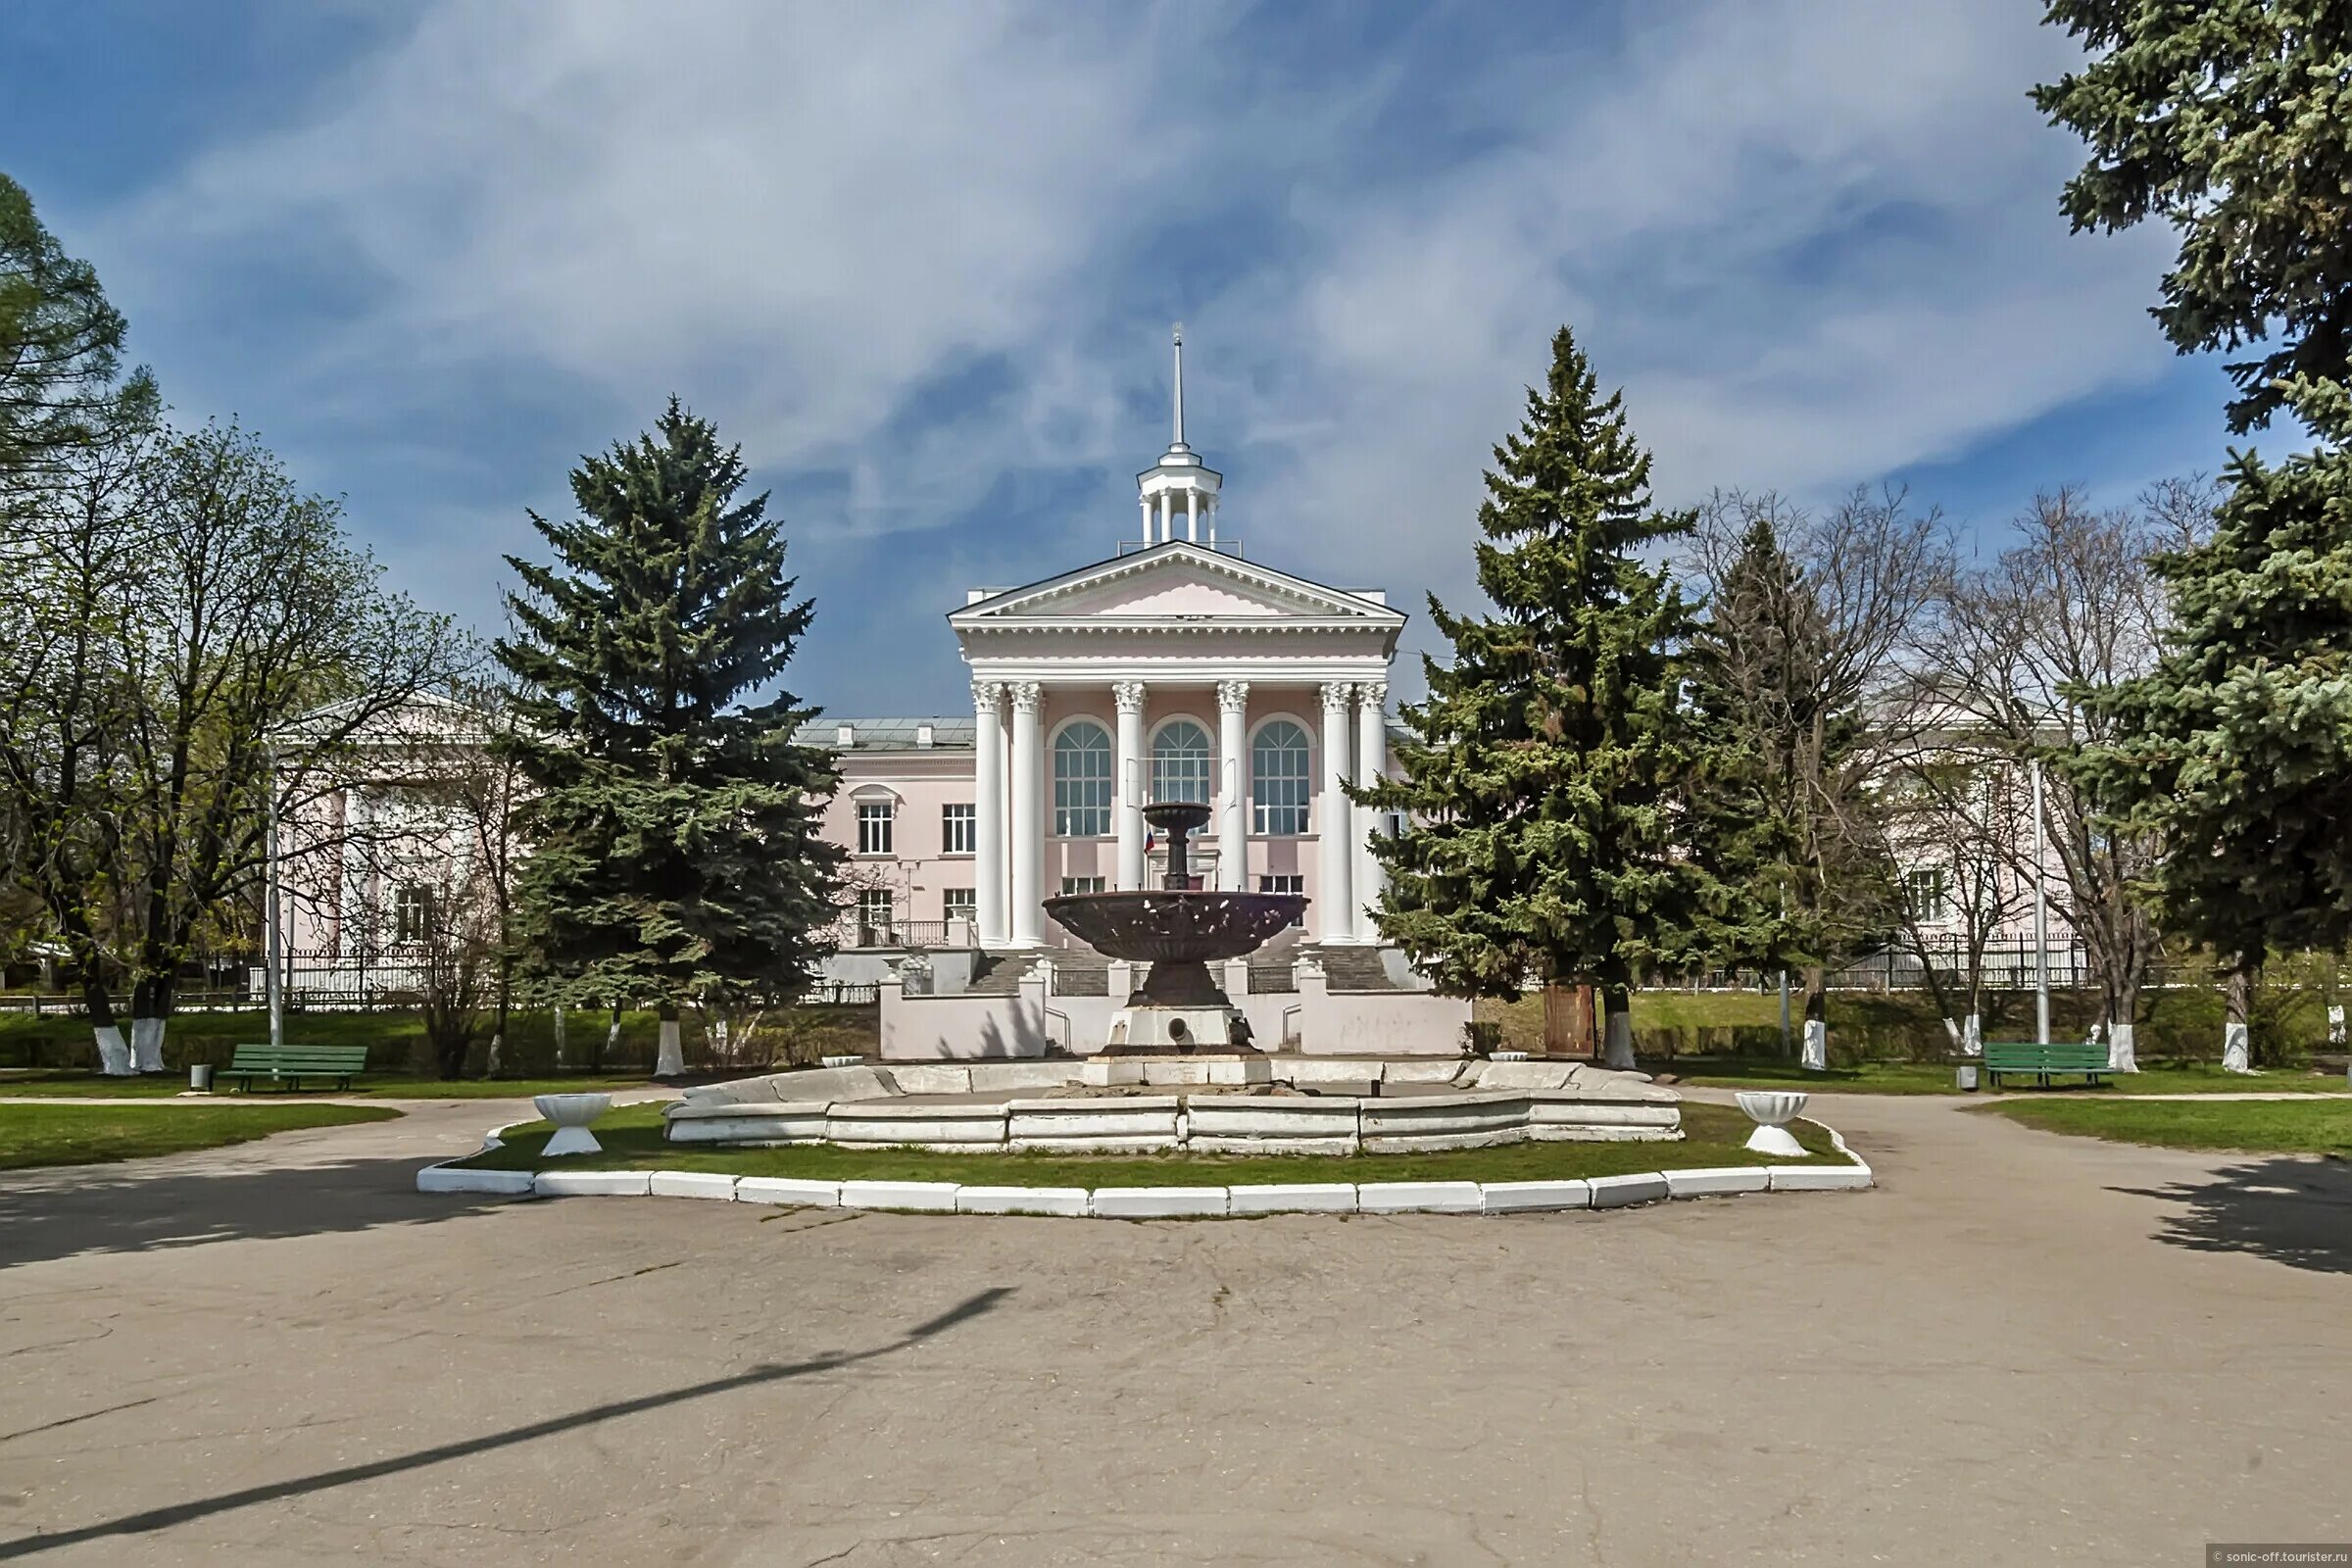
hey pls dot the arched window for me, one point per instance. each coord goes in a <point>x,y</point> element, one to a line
<point>1082,780</point>
<point>1279,773</point>
<point>1180,763</point>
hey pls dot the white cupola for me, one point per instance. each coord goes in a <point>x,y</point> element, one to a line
<point>1179,493</point>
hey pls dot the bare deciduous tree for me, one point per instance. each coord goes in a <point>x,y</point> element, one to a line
<point>2068,606</point>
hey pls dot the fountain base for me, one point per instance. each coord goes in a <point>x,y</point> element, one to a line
<point>1230,1068</point>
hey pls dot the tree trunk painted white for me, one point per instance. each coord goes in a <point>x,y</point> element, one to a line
<point>718,1040</point>
<point>559,1039</point>
<point>2237,1032</point>
<point>1817,1047</point>
<point>2121,1052</point>
<point>114,1057</point>
<point>671,1062</point>
<point>147,1045</point>
<point>497,1043</point>
<point>2335,1023</point>
<point>1971,1036</point>
<point>1619,1035</point>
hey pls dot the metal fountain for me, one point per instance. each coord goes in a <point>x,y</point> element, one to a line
<point>1178,1010</point>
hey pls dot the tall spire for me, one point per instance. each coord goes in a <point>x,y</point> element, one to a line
<point>1179,445</point>
<point>1179,492</point>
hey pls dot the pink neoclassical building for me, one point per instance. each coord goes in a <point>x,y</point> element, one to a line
<point>1173,669</point>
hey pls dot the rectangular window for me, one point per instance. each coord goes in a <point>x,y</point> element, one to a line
<point>875,927</point>
<point>1082,884</point>
<point>960,830</point>
<point>962,904</point>
<point>1284,884</point>
<point>1924,893</point>
<point>874,827</point>
<point>413,912</point>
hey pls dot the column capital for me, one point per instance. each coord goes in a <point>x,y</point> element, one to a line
<point>1233,696</point>
<point>987,694</point>
<point>1128,695</point>
<point>1027,696</point>
<point>1336,696</point>
<point>1374,694</point>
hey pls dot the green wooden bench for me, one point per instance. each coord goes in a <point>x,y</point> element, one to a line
<point>2020,1058</point>
<point>291,1064</point>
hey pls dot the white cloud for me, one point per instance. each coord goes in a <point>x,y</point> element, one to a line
<point>1815,240</point>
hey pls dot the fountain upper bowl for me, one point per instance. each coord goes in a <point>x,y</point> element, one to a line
<point>1176,926</point>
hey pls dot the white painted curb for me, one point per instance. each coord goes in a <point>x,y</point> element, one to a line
<point>1160,1202</point>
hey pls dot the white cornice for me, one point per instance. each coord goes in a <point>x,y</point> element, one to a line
<point>1332,605</point>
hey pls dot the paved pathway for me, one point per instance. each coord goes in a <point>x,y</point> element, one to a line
<point>2023,1349</point>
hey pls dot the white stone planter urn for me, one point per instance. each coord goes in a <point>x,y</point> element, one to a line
<point>571,1114</point>
<point>1772,1110</point>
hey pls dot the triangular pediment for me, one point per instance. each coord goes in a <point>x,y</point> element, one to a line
<point>1178,581</point>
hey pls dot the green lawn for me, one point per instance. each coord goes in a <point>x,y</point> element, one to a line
<point>632,1140</point>
<point>1930,1078</point>
<point>2255,1126</point>
<point>72,1085</point>
<point>81,1135</point>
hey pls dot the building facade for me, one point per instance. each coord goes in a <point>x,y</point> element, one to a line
<point>1172,669</point>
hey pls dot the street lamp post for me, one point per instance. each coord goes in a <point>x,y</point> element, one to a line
<point>274,940</point>
<point>2042,922</point>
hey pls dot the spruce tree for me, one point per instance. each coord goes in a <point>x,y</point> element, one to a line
<point>2226,121</point>
<point>1749,680</point>
<point>672,817</point>
<point>2237,745</point>
<point>1782,815</point>
<point>1541,771</point>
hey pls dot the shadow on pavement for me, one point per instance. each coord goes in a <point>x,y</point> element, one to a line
<point>43,1219</point>
<point>181,1513</point>
<point>2293,1211</point>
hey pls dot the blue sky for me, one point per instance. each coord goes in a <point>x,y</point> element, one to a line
<point>922,261</point>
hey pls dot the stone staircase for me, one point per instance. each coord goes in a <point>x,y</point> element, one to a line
<point>1353,969</point>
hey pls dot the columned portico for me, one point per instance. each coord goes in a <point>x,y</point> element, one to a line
<point>1334,902</point>
<point>1134,782</point>
<point>988,811</point>
<point>1028,816</point>
<point>1233,785</point>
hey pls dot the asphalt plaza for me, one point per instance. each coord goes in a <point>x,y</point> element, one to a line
<point>2022,1347</point>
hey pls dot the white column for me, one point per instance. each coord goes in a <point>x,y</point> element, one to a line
<point>1130,780</point>
<point>1192,515</point>
<point>1371,762</point>
<point>1233,773</point>
<point>1165,533</point>
<point>1334,903</point>
<point>988,805</point>
<point>1028,816</point>
<point>353,938</point>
